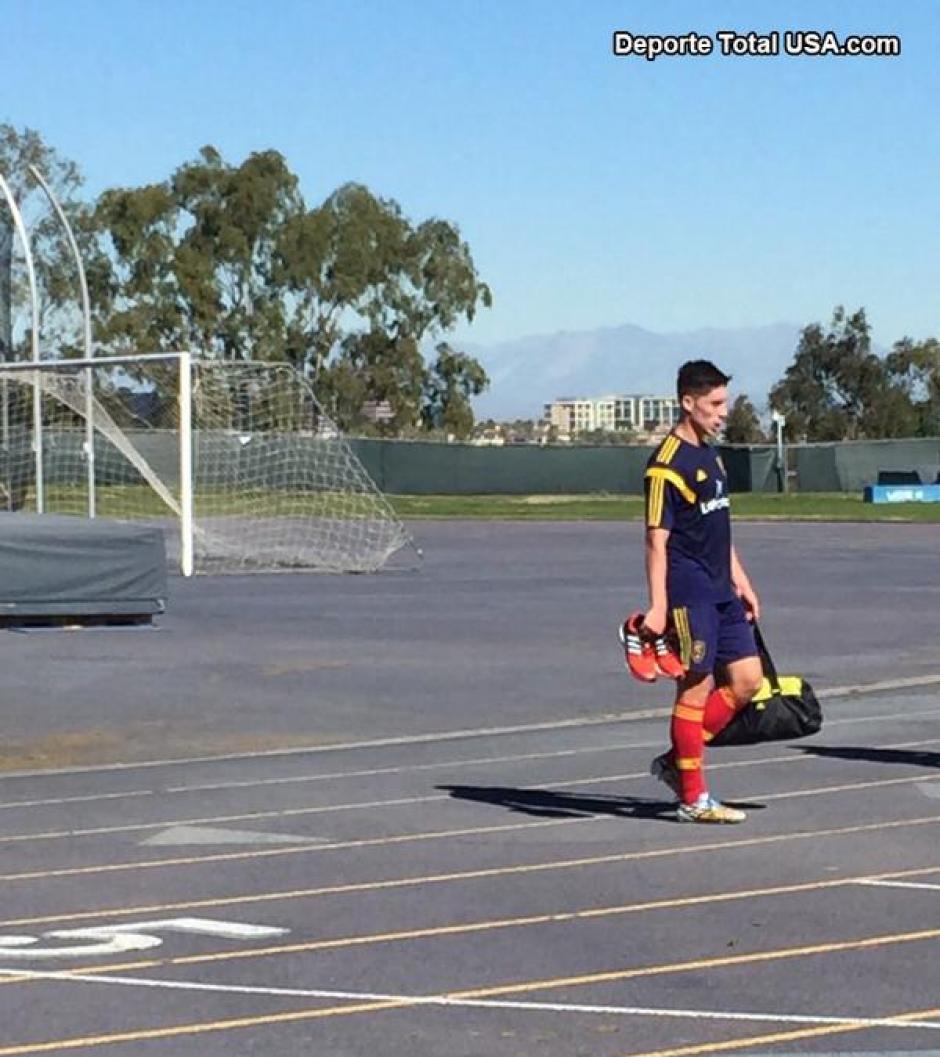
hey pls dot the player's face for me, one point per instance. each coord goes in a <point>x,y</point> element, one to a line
<point>708,412</point>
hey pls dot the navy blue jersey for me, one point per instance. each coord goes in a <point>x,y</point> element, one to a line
<point>687,493</point>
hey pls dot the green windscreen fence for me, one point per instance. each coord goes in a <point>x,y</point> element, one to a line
<point>416,468</point>
<point>403,468</point>
<point>849,466</point>
<point>750,469</point>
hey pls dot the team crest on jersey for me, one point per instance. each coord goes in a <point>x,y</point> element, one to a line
<point>698,651</point>
<point>701,475</point>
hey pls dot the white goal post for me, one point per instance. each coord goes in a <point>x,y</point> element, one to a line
<point>235,459</point>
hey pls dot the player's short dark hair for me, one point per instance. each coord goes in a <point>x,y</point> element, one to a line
<point>698,377</point>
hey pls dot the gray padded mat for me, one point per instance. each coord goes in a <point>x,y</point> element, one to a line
<point>55,565</point>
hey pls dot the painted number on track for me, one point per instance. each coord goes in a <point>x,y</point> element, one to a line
<point>117,939</point>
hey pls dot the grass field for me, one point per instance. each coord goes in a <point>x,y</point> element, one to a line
<point>816,506</point>
<point>133,501</point>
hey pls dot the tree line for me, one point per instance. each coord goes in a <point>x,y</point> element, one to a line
<point>228,259</point>
<point>837,388</point>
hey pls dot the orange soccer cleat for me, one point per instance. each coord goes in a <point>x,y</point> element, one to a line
<point>668,662</point>
<point>638,652</point>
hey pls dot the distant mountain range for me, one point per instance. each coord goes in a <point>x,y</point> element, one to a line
<point>527,373</point>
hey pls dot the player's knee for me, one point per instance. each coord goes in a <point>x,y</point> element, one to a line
<point>695,688</point>
<point>746,684</point>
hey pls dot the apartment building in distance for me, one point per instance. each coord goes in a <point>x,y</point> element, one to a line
<point>645,416</point>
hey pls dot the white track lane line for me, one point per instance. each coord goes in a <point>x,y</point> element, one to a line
<point>899,884</point>
<point>607,719</point>
<point>284,813</point>
<point>520,870</point>
<point>332,775</point>
<point>477,1003</point>
<point>407,769</point>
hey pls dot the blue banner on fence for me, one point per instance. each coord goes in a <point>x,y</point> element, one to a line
<point>902,493</point>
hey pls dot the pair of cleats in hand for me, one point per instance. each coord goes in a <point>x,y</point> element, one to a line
<point>648,656</point>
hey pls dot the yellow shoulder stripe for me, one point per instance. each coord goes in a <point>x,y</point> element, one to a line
<point>668,448</point>
<point>654,508</point>
<point>655,473</point>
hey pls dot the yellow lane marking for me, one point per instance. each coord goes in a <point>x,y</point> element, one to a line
<point>302,849</point>
<point>555,918</point>
<point>780,954</point>
<point>561,917</point>
<point>196,860</point>
<point>498,871</point>
<point>445,764</point>
<point>803,1033</point>
<point>783,1036</point>
<point>517,988</point>
<point>12,838</point>
<point>199,1028</point>
<point>404,838</point>
<point>849,787</point>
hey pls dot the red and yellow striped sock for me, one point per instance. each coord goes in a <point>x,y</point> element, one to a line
<point>687,748</point>
<point>719,711</point>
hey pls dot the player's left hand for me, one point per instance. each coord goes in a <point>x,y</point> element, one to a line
<point>751,602</point>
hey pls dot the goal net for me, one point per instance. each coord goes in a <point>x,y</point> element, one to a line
<point>236,460</point>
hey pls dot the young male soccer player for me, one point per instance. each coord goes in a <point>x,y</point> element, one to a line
<point>697,582</point>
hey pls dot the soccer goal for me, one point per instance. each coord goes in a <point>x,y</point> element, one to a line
<point>237,460</point>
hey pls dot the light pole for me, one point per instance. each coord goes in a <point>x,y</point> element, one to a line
<point>779,420</point>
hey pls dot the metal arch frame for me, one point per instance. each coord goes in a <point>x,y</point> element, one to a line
<point>34,306</point>
<point>86,334</point>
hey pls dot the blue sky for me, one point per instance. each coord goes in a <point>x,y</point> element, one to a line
<point>593,190</point>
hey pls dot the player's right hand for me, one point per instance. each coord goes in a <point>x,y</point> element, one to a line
<point>655,620</point>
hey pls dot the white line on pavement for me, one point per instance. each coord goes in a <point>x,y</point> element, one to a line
<point>479,1003</point>
<point>97,831</point>
<point>899,884</point>
<point>458,735</point>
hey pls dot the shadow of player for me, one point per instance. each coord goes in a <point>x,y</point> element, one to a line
<point>544,803</point>
<point>870,755</point>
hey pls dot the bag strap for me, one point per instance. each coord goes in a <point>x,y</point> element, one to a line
<point>767,663</point>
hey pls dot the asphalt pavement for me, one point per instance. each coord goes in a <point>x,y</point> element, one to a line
<point>410,814</point>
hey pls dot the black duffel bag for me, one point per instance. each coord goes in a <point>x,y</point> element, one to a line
<point>785,707</point>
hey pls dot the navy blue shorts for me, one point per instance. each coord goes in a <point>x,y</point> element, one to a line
<point>713,634</point>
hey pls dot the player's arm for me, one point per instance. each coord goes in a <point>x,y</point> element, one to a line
<point>743,586</point>
<point>657,617</point>
<point>660,515</point>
